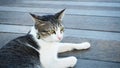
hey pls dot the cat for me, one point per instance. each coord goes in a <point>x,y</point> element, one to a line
<point>39,48</point>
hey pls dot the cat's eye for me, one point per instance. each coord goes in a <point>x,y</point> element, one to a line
<point>62,30</point>
<point>53,32</point>
<point>44,32</point>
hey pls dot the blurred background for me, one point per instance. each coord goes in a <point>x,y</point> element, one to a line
<point>94,21</point>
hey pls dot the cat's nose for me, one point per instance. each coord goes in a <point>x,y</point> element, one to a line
<point>60,38</point>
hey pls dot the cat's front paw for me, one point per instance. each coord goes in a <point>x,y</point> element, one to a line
<point>72,61</point>
<point>84,45</point>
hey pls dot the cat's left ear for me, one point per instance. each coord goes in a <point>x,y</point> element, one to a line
<point>60,15</point>
<point>34,16</point>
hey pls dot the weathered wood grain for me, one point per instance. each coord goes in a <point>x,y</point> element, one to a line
<point>96,64</point>
<point>109,24</point>
<point>68,11</point>
<point>66,4</point>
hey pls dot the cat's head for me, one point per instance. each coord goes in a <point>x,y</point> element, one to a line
<point>49,27</point>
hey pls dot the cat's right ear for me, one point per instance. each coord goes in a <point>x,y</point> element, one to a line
<point>36,18</point>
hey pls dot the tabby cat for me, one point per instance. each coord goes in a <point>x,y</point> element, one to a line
<point>39,48</point>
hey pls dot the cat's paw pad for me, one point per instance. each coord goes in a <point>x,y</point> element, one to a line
<point>73,61</point>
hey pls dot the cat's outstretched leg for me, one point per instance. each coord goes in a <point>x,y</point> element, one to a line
<point>63,47</point>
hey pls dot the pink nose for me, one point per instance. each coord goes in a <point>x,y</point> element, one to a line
<point>59,38</point>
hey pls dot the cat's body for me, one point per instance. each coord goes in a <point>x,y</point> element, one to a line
<point>40,47</point>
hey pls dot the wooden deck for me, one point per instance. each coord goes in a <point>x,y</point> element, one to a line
<point>95,21</point>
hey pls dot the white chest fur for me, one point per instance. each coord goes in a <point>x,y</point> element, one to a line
<point>48,50</point>
<point>48,54</point>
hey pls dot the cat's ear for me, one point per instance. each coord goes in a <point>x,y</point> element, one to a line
<point>36,18</point>
<point>60,15</point>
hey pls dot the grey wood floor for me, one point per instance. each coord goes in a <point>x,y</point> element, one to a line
<point>94,21</point>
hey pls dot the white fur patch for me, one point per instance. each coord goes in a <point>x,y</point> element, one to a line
<point>49,49</point>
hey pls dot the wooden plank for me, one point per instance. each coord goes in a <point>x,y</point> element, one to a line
<point>98,4</point>
<point>10,1</point>
<point>95,64</point>
<point>65,4</point>
<point>68,11</point>
<point>92,23</point>
<point>110,24</point>
<point>92,34</point>
<point>14,28</point>
<point>68,32</point>
<point>6,37</point>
